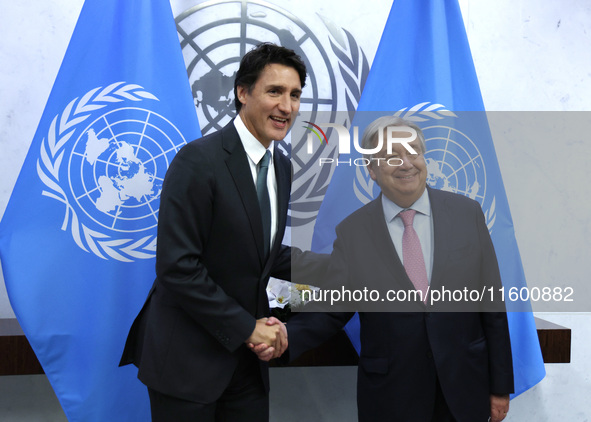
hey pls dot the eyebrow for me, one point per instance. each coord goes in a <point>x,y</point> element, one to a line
<point>284,88</point>
<point>416,144</point>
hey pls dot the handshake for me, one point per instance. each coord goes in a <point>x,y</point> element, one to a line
<point>269,339</point>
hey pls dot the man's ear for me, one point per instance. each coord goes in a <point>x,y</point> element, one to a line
<point>372,174</point>
<point>242,92</point>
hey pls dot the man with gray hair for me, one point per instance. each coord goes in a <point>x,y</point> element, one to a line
<point>421,361</point>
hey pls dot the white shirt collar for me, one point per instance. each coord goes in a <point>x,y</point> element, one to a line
<point>391,210</point>
<point>254,149</point>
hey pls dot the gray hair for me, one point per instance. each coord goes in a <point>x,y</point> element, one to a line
<point>370,134</point>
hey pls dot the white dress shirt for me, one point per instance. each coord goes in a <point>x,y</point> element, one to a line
<point>423,225</point>
<point>255,151</point>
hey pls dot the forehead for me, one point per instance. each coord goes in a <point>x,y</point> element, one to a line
<point>398,148</point>
<point>280,75</point>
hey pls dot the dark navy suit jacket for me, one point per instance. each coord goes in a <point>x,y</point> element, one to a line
<point>211,272</point>
<point>405,351</point>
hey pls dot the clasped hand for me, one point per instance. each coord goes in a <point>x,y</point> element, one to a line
<point>269,339</point>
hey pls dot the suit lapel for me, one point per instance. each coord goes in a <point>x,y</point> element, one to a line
<point>441,224</point>
<point>283,177</point>
<point>237,163</point>
<point>386,251</point>
<point>282,167</point>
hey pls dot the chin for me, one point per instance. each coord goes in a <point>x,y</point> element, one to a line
<point>278,136</point>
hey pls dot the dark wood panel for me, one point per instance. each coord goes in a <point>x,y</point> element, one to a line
<point>555,341</point>
<point>17,357</point>
<point>337,351</point>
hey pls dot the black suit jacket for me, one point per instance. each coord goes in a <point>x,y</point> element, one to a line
<point>211,272</point>
<point>403,354</point>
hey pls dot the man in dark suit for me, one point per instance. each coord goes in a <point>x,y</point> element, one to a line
<point>222,218</point>
<point>419,362</point>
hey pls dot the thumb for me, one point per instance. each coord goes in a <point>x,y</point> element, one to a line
<point>273,321</point>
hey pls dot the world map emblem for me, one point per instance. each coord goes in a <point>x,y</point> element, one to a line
<point>106,162</point>
<point>212,61</point>
<point>455,164</point>
<point>337,70</point>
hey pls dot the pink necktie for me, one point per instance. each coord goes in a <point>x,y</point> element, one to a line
<point>412,254</point>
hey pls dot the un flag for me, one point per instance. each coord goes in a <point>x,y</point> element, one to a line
<point>423,72</point>
<point>77,240</point>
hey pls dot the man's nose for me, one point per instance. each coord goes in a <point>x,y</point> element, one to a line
<point>406,162</point>
<point>284,104</point>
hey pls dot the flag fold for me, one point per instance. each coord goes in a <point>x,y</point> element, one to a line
<point>77,240</point>
<point>423,71</point>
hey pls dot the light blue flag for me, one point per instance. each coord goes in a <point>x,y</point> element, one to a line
<point>423,71</point>
<point>78,238</point>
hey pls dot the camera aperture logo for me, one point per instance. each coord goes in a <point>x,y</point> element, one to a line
<point>318,129</point>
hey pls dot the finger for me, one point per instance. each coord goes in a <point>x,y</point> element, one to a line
<point>278,352</point>
<point>283,328</point>
<point>283,340</point>
<point>277,334</point>
<point>259,348</point>
<point>277,342</point>
<point>499,416</point>
<point>267,355</point>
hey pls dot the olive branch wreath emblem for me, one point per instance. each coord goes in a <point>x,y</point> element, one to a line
<point>354,69</point>
<point>53,147</point>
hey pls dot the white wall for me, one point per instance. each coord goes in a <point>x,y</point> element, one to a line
<point>34,38</point>
<point>530,55</point>
<point>534,56</point>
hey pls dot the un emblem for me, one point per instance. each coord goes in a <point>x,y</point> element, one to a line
<point>109,172</point>
<point>454,163</point>
<point>212,61</point>
<point>117,166</point>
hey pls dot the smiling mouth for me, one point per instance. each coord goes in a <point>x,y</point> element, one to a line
<point>407,177</point>
<point>279,120</point>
